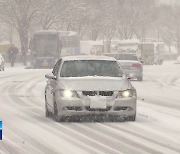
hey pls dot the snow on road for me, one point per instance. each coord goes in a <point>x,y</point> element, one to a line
<point>27,130</point>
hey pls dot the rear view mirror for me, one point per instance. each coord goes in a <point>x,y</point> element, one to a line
<point>50,77</point>
<point>141,61</point>
<point>128,77</point>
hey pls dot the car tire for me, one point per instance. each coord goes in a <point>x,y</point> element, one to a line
<point>132,118</point>
<point>56,116</point>
<point>47,113</point>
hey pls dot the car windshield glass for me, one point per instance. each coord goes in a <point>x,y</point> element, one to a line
<point>80,68</point>
<point>125,57</point>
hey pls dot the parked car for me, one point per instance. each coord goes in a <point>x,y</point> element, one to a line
<point>131,65</point>
<point>89,85</point>
<point>1,63</point>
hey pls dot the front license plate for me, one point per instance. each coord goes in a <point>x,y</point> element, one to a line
<point>98,104</point>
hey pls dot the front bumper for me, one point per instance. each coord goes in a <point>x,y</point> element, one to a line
<point>114,107</point>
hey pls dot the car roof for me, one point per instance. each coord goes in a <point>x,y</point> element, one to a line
<point>119,53</point>
<point>110,54</point>
<point>88,57</point>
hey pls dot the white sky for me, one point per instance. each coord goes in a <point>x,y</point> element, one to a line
<point>169,1</point>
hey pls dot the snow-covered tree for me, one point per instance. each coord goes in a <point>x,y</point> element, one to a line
<point>20,13</point>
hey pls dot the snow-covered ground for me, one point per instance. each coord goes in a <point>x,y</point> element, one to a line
<point>26,130</point>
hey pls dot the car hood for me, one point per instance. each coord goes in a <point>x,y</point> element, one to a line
<point>94,83</point>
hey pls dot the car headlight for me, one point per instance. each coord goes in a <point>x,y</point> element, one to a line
<point>68,93</point>
<point>126,93</point>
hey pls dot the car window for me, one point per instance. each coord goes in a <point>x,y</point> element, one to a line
<point>126,57</point>
<point>79,68</point>
<point>56,67</point>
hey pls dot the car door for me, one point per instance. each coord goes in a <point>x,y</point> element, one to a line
<point>51,84</point>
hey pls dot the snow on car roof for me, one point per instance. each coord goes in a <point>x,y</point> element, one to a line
<point>107,54</point>
<point>88,57</point>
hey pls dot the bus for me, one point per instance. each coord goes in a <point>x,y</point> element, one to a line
<point>48,46</point>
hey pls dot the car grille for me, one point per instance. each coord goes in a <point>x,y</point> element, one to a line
<point>94,93</point>
<point>76,108</point>
<point>91,109</point>
<point>123,108</point>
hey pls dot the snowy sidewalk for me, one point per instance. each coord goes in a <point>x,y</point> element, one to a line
<point>17,67</point>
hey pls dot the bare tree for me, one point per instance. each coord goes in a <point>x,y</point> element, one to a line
<point>109,23</point>
<point>20,13</point>
<point>171,23</point>
<point>92,19</point>
<point>167,38</point>
<point>54,11</point>
<point>128,15</point>
<point>144,18</point>
<point>4,32</point>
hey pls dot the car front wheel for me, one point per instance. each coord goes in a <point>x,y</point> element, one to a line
<point>56,116</point>
<point>47,113</point>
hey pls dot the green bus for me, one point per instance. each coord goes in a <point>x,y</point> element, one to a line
<point>48,46</point>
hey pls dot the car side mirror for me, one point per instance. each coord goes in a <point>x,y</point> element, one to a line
<point>50,77</point>
<point>128,77</point>
<point>142,61</point>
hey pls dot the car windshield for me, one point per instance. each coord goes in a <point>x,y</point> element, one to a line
<point>125,57</point>
<point>80,68</point>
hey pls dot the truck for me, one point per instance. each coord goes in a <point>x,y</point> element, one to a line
<point>150,53</point>
<point>92,47</point>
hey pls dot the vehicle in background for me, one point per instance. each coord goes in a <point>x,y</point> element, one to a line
<point>89,85</point>
<point>150,53</point>
<point>3,48</point>
<point>48,46</point>
<point>1,63</point>
<point>92,47</point>
<point>147,53</point>
<point>160,49</point>
<point>130,64</point>
<point>127,46</point>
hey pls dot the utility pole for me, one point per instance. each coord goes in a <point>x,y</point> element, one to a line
<point>10,33</point>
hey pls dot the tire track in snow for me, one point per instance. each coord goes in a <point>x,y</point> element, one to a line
<point>13,99</point>
<point>117,128</point>
<point>67,130</point>
<point>107,137</point>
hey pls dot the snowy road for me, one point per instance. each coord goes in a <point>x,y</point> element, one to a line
<point>26,130</point>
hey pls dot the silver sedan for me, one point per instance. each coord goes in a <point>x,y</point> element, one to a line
<point>130,64</point>
<point>89,85</point>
